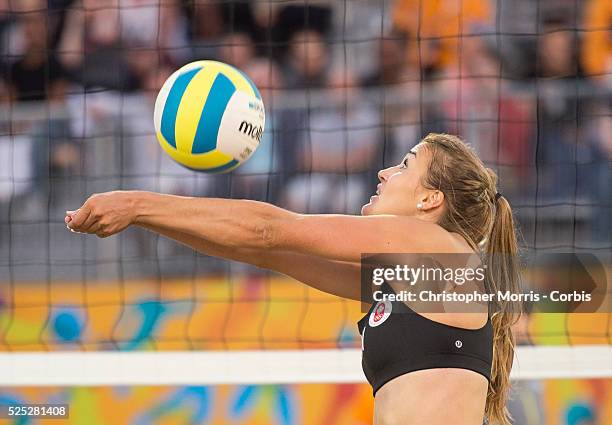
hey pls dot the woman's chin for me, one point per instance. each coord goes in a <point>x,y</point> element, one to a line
<point>368,209</point>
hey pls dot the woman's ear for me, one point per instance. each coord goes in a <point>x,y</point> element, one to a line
<point>433,199</point>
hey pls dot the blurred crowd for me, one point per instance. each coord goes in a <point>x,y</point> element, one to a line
<point>349,87</point>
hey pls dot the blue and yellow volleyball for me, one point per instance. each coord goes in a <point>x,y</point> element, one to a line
<point>209,116</point>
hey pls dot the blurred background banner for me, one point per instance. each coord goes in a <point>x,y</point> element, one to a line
<point>349,86</point>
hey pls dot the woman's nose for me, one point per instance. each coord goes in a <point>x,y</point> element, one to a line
<point>383,175</point>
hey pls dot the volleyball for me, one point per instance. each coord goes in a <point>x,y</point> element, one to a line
<point>209,116</point>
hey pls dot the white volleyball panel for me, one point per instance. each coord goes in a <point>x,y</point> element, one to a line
<point>242,126</point>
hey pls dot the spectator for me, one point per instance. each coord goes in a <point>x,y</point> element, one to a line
<point>292,17</point>
<point>56,17</point>
<point>557,51</point>
<point>153,34</point>
<point>305,67</point>
<point>335,152</point>
<point>207,29</point>
<point>400,105</point>
<point>308,60</point>
<point>437,28</point>
<point>5,36</point>
<point>392,67</point>
<point>37,75</point>
<point>237,49</point>
<point>112,47</point>
<point>476,106</point>
<point>597,131</point>
<point>561,146</point>
<point>597,45</point>
<point>165,35</point>
<point>57,154</point>
<point>90,47</point>
<point>4,94</point>
<point>213,19</point>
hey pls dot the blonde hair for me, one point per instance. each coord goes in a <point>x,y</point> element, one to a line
<point>474,210</point>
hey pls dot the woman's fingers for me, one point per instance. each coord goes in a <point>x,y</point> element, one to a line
<point>69,216</point>
<point>82,221</point>
<point>79,218</point>
<point>103,214</point>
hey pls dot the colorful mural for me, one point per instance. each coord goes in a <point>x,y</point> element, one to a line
<point>245,313</point>
<point>561,402</point>
<point>220,405</point>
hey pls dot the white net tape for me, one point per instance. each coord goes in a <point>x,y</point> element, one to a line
<point>261,367</point>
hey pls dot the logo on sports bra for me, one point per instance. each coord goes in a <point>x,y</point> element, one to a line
<point>381,312</point>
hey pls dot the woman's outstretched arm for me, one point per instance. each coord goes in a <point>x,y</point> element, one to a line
<point>257,225</point>
<point>110,213</point>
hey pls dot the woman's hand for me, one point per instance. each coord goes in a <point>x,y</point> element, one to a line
<point>103,214</point>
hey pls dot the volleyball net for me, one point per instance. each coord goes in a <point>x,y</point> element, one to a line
<point>349,88</point>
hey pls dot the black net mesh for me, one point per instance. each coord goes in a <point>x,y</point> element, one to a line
<point>349,87</point>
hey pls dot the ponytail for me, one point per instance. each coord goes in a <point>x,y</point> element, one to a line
<point>502,252</point>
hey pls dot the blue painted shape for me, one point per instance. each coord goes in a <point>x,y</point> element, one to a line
<point>195,401</point>
<point>151,313</point>
<point>283,407</point>
<point>347,337</point>
<point>203,403</point>
<point>208,127</point>
<point>244,402</point>
<point>168,121</point>
<point>66,326</point>
<point>580,413</point>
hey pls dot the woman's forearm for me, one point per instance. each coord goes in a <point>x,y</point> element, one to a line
<point>250,256</point>
<point>333,277</point>
<point>225,223</point>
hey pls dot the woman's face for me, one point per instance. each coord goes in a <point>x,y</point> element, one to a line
<point>400,189</point>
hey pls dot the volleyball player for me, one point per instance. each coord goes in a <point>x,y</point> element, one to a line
<point>443,368</point>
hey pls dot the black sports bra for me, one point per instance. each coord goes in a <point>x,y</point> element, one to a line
<point>395,340</point>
